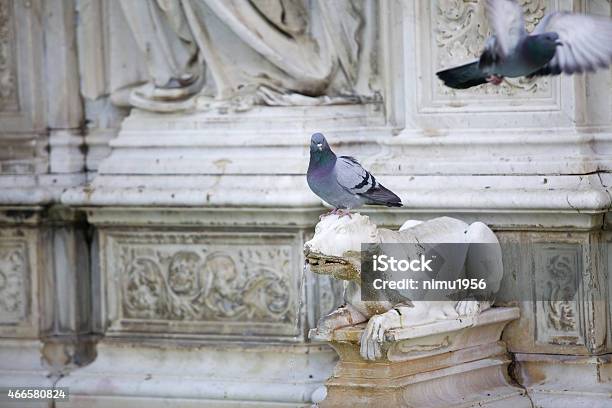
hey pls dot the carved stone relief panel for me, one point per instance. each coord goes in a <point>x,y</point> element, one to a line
<point>21,61</point>
<point>13,281</point>
<point>566,274</point>
<point>557,278</point>
<point>8,62</point>
<point>22,120</point>
<point>18,287</point>
<point>453,32</point>
<point>194,283</point>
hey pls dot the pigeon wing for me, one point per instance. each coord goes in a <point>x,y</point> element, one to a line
<point>506,21</point>
<point>357,180</point>
<point>587,43</point>
<point>352,177</point>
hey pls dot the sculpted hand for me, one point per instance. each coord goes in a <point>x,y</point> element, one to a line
<point>471,307</point>
<point>374,334</point>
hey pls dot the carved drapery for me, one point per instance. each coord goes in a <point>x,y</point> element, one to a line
<point>282,52</point>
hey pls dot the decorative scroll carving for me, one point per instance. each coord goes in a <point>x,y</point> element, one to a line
<point>461,30</point>
<point>197,281</point>
<point>558,270</point>
<point>13,272</point>
<point>560,313</point>
<point>8,81</point>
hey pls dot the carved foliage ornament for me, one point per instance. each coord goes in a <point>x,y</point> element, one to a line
<point>13,270</point>
<point>461,31</point>
<point>561,314</point>
<point>249,283</point>
<point>558,268</point>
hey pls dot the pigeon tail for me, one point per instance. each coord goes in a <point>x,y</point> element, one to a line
<point>380,195</point>
<point>463,76</point>
<point>398,204</point>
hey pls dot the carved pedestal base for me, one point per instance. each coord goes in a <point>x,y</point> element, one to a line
<point>453,363</point>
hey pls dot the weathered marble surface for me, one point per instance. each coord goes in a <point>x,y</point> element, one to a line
<point>450,363</point>
<point>530,159</point>
<point>335,250</point>
<point>199,374</point>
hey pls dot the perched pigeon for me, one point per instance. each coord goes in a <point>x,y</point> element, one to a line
<point>342,182</point>
<point>561,42</point>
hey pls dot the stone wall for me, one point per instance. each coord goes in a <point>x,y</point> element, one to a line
<point>151,240</point>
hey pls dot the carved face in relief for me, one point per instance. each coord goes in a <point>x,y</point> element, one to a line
<point>335,248</point>
<point>334,236</point>
<point>222,267</point>
<point>204,281</point>
<point>145,289</point>
<point>267,295</point>
<point>225,296</point>
<point>183,276</point>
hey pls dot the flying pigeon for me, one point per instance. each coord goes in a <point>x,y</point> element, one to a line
<point>342,182</point>
<point>561,42</point>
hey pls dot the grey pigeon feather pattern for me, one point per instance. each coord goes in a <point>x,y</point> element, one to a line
<point>506,20</point>
<point>587,43</point>
<point>561,43</point>
<point>353,177</point>
<point>342,181</point>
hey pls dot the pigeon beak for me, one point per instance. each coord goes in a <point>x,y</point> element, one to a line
<point>320,146</point>
<point>559,43</point>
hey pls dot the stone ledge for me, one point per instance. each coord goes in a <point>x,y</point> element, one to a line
<point>132,376</point>
<point>508,202</point>
<point>494,316</point>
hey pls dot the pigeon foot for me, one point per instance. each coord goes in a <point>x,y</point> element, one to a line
<point>495,80</point>
<point>344,213</point>
<point>330,212</point>
<point>336,211</point>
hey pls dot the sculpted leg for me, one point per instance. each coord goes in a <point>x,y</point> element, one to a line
<point>374,334</point>
<point>420,312</point>
<point>471,307</point>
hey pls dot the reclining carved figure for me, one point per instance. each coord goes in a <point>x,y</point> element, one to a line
<point>335,250</point>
